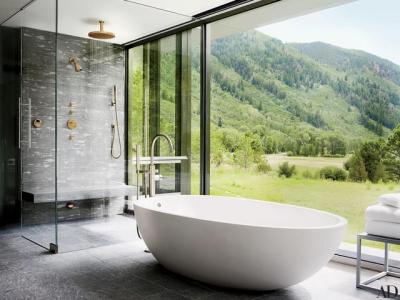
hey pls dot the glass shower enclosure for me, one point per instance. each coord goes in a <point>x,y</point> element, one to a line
<point>78,131</point>
<point>37,121</point>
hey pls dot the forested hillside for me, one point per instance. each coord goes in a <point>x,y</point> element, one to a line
<point>309,99</point>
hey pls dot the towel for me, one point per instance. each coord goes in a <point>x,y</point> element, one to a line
<point>380,228</point>
<point>390,199</point>
<point>385,213</point>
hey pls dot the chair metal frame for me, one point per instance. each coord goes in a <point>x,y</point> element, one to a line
<point>365,285</point>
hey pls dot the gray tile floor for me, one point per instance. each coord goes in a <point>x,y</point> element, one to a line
<point>84,234</point>
<point>125,271</point>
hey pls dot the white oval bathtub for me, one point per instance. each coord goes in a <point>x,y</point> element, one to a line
<point>238,243</point>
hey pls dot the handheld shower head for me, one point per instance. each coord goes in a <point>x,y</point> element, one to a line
<point>75,63</point>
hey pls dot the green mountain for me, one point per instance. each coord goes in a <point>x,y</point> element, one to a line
<point>350,60</point>
<point>301,97</point>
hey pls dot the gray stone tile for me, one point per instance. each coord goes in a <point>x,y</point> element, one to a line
<point>143,287</point>
<point>180,285</point>
<point>167,296</point>
<point>85,160</point>
<point>125,271</point>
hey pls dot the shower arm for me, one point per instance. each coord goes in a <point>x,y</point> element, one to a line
<point>75,63</point>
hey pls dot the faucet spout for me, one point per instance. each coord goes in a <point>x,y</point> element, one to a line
<point>152,166</point>
<point>153,144</point>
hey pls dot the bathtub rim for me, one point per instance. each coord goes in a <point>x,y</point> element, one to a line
<point>141,203</point>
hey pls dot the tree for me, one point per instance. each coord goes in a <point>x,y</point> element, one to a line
<point>257,147</point>
<point>220,123</point>
<point>372,154</point>
<point>281,95</point>
<point>244,154</point>
<point>392,155</point>
<point>285,170</point>
<point>263,166</point>
<point>333,173</point>
<point>336,146</point>
<point>260,106</point>
<point>381,172</point>
<point>356,167</point>
<point>230,139</point>
<point>217,157</point>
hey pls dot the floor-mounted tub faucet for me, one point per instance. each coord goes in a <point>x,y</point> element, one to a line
<point>152,165</point>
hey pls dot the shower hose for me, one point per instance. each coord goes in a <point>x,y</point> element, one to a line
<point>115,130</point>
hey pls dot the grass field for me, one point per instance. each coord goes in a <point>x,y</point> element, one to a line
<point>348,199</point>
<point>314,163</point>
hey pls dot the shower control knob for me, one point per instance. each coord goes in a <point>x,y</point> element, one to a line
<point>72,124</point>
<point>37,123</point>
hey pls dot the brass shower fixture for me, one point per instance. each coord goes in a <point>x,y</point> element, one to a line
<point>101,34</point>
<point>74,61</point>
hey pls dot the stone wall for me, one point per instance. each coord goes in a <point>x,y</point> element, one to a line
<point>83,154</point>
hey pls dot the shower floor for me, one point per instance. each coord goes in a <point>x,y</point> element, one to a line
<point>85,234</point>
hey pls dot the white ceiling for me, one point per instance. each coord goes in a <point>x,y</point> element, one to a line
<point>9,7</point>
<point>127,20</point>
<point>186,7</point>
<point>273,13</point>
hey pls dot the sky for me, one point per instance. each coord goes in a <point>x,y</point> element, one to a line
<point>369,25</point>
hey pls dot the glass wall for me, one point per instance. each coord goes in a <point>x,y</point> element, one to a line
<point>163,89</point>
<point>94,195</point>
<point>10,66</point>
<point>37,121</point>
<point>304,106</point>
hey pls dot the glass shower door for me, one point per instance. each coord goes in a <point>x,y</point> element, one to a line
<point>37,122</point>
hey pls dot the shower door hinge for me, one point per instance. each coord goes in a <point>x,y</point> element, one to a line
<point>53,248</point>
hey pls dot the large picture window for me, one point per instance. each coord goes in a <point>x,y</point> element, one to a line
<point>296,105</point>
<point>304,111</point>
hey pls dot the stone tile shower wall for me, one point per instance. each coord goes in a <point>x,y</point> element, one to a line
<point>38,89</point>
<point>84,154</point>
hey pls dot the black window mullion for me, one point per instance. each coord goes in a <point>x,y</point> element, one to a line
<point>205,110</point>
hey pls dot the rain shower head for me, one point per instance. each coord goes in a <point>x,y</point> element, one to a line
<point>101,34</point>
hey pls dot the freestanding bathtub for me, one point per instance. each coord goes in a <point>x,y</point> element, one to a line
<point>238,243</point>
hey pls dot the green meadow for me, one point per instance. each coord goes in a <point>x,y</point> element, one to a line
<point>347,199</point>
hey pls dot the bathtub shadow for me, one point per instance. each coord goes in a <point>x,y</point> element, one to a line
<point>139,276</point>
<point>296,292</point>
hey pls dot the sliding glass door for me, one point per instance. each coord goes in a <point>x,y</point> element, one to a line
<point>163,99</point>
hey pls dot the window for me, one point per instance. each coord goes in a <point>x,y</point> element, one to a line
<point>164,99</point>
<point>302,109</point>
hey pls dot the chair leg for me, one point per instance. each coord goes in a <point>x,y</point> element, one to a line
<point>358,268</point>
<point>386,259</point>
